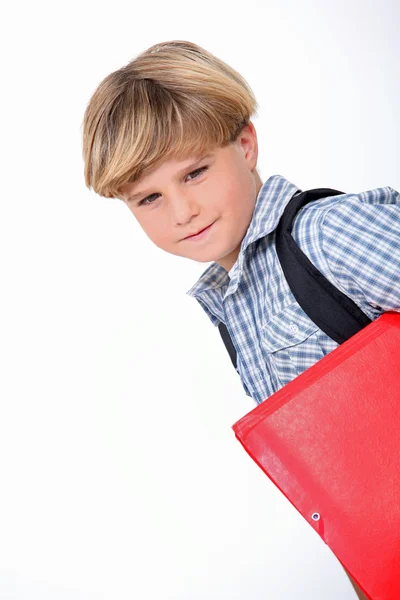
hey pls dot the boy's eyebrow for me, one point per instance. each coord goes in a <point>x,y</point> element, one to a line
<point>181,172</point>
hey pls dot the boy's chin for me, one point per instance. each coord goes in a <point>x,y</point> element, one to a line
<point>203,258</point>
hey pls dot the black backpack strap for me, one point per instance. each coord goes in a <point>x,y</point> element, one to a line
<point>334,312</point>
<point>226,338</point>
<point>331,310</point>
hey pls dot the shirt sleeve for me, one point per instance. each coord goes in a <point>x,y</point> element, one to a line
<point>361,245</point>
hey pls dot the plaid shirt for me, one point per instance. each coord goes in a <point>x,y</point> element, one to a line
<point>353,239</point>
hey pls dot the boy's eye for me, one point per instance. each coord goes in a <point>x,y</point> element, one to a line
<point>198,171</point>
<point>147,201</point>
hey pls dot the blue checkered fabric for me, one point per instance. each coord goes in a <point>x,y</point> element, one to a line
<point>353,239</point>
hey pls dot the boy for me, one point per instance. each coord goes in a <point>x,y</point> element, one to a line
<point>170,135</point>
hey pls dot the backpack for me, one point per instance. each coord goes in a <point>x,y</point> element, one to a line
<point>331,310</point>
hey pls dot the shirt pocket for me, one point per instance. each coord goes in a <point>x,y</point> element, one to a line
<point>291,342</point>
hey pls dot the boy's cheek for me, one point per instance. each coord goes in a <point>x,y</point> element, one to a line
<point>162,241</point>
<point>156,234</point>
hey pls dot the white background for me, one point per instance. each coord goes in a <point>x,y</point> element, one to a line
<point>120,475</point>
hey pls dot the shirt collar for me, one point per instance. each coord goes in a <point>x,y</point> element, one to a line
<point>271,201</point>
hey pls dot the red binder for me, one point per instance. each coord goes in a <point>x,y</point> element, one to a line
<point>330,441</point>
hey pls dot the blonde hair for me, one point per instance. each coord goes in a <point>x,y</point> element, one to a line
<point>174,100</point>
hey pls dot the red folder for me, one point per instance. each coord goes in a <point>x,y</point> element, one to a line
<point>330,441</point>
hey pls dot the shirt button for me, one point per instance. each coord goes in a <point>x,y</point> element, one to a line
<point>294,328</point>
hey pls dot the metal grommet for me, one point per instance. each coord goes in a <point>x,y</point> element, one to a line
<point>315,516</point>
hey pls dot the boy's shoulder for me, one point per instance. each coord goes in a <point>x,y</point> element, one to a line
<point>354,240</point>
<point>334,219</point>
<point>320,208</point>
<point>347,214</point>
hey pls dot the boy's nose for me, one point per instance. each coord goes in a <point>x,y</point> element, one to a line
<point>183,209</point>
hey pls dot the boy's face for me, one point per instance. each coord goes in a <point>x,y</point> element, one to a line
<point>182,198</point>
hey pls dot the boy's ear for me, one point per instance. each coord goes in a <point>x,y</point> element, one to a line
<point>249,145</point>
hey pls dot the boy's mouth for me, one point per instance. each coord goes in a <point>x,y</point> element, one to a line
<point>200,234</point>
